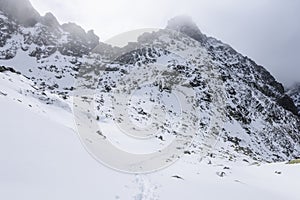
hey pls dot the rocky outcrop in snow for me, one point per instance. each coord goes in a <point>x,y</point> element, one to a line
<point>253,115</point>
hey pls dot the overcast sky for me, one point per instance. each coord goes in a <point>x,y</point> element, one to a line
<point>268,31</point>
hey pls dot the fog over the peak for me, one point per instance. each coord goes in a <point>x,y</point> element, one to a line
<point>268,31</point>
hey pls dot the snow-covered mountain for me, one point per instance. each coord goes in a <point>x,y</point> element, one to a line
<point>244,116</point>
<point>257,118</point>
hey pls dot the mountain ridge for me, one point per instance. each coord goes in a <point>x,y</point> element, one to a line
<point>258,119</point>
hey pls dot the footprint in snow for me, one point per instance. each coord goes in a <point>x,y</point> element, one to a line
<point>178,177</point>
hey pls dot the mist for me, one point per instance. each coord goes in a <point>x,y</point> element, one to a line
<point>267,31</point>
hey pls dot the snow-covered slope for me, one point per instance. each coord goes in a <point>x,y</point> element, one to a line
<point>244,117</point>
<point>254,115</point>
<point>42,158</point>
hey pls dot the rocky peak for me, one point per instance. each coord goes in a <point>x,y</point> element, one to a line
<point>78,33</point>
<point>74,29</point>
<point>50,20</point>
<point>69,39</point>
<point>186,25</point>
<point>20,10</point>
<point>92,37</point>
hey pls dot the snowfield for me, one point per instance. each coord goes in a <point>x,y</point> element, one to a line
<point>41,157</point>
<point>229,117</point>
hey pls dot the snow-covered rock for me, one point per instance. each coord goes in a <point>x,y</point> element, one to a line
<point>244,116</point>
<point>257,118</point>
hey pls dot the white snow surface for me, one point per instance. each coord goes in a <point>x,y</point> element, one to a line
<point>41,157</point>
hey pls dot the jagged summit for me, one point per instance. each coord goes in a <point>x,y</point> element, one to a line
<point>50,20</point>
<point>25,14</point>
<point>48,30</point>
<point>186,25</point>
<point>79,33</point>
<point>256,118</point>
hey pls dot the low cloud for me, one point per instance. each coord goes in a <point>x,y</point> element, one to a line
<point>268,31</point>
